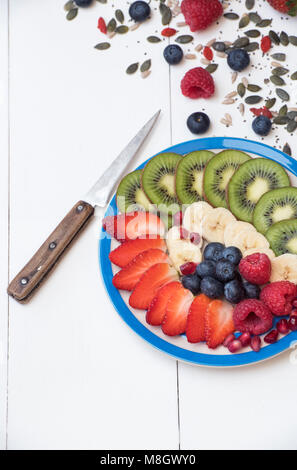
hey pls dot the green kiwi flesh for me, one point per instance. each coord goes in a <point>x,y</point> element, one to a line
<point>282,237</point>
<point>130,195</point>
<point>218,173</point>
<point>274,206</point>
<point>158,182</point>
<point>189,176</point>
<point>253,179</point>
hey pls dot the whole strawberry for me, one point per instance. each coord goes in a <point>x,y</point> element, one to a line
<point>199,14</point>
<point>285,6</point>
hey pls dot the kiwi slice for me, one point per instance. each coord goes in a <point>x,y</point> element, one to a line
<point>158,182</point>
<point>282,237</point>
<point>189,176</point>
<point>253,179</point>
<point>218,173</point>
<point>274,206</point>
<point>130,195</point>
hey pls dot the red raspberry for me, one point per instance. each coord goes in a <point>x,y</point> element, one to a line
<point>255,268</point>
<point>252,316</point>
<point>278,296</point>
<point>197,83</point>
<point>199,14</point>
<point>265,44</point>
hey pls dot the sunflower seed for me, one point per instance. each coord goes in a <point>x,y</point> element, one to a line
<point>166,16</point>
<point>251,47</point>
<point>190,56</point>
<point>274,37</point>
<point>244,80</point>
<point>221,54</point>
<point>146,65</point>
<point>254,17</point>
<point>279,56</point>
<point>228,101</point>
<point>241,108</point>
<point>69,5</point>
<point>274,113</point>
<point>292,126</point>
<point>205,61</point>
<point>234,77</point>
<point>287,149</point>
<point>282,94</point>
<point>275,64</point>
<point>211,68</point>
<point>102,46</point>
<point>199,47</point>
<point>153,39</point>
<point>211,42</point>
<point>181,24</point>
<point>71,14</point>
<point>241,42</point>
<point>244,21</point>
<point>224,121</point>
<point>292,109</point>
<point>283,110</point>
<point>145,74</point>
<point>111,25</point>
<point>252,33</point>
<point>264,23</point>
<point>249,4</point>
<point>276,80</point>
<point>294,76</point>
<point>284,38</point>
<point>184,39</point>
<point>241,89</point>
<point>254,99</point>
<point>132,68</point>
<point>122,29</point>
<point>135,26</point>
<point>228,43</point>
<point>111,35</point>
<point>231,16</point>
<point>280,71</point>
<point>231,94</point>
<point>254,88</point>
<point>292,115</point>
<point>228,117</point>
<point>270,103</point>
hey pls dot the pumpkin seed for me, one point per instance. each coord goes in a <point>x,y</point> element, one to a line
<point>274,37</point>
<point>279,56</point>
<point>111,25</point>
<point>184,39</point>
<point>244,21</point>
<point>284,38</point>
<point>254,99</point>
<point>279,71</point>
<point>254,88</point>
<point>254,17</point>
<point>270,103</point>
<point>241,89</point>
<point>281,120</point>
<point>166,15</point>
<point>211,68</point>
<point>264,23</point>
<point>292,126</point>
<point>153,39</point>
<point>252,33</point>
<point>231,16</point>
<point>219,46</point>
<point>292,115</point>
<point>146,65</point>
<point>241,42</point>
<point>71,14</point>
<point>251,47</point>
<point>119,16</point>
<point>276,80</point>
<point>283,110</point>
<point>102,46</point>
<point>249,4</point>
<point>132,68</point>
<point>293,40</point>
<point>69,5</point>
<point>294,76</point>
<point>122,29</point>
<point>282,94</point>
<point>287,149</point>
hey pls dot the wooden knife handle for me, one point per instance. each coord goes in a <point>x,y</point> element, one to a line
<point>50,251</point>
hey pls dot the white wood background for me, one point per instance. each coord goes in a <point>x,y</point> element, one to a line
<point>73,376</point>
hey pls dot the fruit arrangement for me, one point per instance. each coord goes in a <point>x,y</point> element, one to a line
<point>228,264</point>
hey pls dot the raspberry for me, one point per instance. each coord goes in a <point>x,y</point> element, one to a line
<point>197,83</point>
<point>252,316</point>
<point>278,296</point>
<point>265,44</point>
<point>199,14</point>
<point>255,268</point>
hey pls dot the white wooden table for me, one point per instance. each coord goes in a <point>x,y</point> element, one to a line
<point>73,376</point>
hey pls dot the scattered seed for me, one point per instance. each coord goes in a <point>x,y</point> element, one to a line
<point>231,94</point>
<point>293,40</point>
<point>110,35</point>
<point>241,89</point>
<point>241,108</point>
<point>270,103</point>
<point>135,26</point>
<point>284,38</point>
<point>145,74</point>
<point>252,33</point>
<point>249,4</point>
<point>292,109</point>
<point>274,113</point>
<point>280,71</point>
<point>283,110</point>
<point>166,15</point>
<point>281,120</point>
<point>181,24</point>
<point>245,82</point>
<point>294,76</point>
<point>122,29</point>
<point>241,42</point>
<point>279,56</point>
<point>292,115</point>
<point>190,56</point>
<point>101,1</point>
<point>274,37</point>
<point>146,65</point>
<point>111,25</point>
<point>69,5</point>
<point>287,149</point>
<point>211,68</point>
<point>204,61</point>
<point>72,14</point>
<point>228,43</point>
<point>231,16</point>
<point>224,121</point>
<point>119,16</point>
<point>276,80</point>
<point>254,88</point>
<point>132,68</point>
<point>223,55</point>
<point>254,17</point>
<point>234,77</point>
<point>251,47</point>
<point>102,46</point>
<point>153,39</point>
<point>228,101</point>
<point>244,21</point>
<point>199,48</point>
<point>292,126</point>
<point>275,64</point>
<point>184,39</point>
<point>282,94</point>
<point>264,23</point>
<point>254,99</point>
<point>211,42</point>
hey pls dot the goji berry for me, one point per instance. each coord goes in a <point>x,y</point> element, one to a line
<point>265,44</point>
<point>261,112</point>
<point>102,25</point>
<point>168,32</point>
<point>207,52</point>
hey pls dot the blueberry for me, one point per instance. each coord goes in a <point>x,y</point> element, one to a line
<point>192,283</point>
<point>261,125</point>
<point>234,291</point>
<point>238,59</point>
<point>225,271</point>
<point>83,3</point>
<point>139,11</point>
<point>251,290</point>
<point>173,54</point>
<point>232,254</point>
<point>206,268</point>
<point>211,287</point>
<point>213,251</point>
<point>198,123</point>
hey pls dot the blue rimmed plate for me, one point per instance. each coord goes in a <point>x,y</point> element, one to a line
<point>178,347</point>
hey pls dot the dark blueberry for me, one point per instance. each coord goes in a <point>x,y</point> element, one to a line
<point>213,251</point>
<point>232,254</point>
<point>261,125</point>
<point>211,287</point>
<point>206,268</point>
<point>234,291</point>
<point>238,59</point>
<point>139,11</point>
<point>198,123</point>
<point>83,3</point>
<point>225,271</point>
<point>192,283</point>
<point>173,54</point>
<point>251,290</point>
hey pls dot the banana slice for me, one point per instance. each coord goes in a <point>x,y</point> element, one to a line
<point>214,224</point>
<point>266,251</point>
<point>181,251</point>
<point>284,268</point>
<point>234,228</point>
<point>249,239</point>
<point>194,214</point>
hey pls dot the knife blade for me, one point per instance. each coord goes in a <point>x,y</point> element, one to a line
<point>34,272</point>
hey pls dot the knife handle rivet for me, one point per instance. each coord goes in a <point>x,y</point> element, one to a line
<point>52,245</point>
<point>24,281</point>
<point>80,208</point>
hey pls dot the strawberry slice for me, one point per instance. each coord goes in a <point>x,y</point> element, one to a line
<point>156,312</point>
<point>146,288</point>
<point>218,322</point>
<point>126,252</point>
<point>128,277</point>
<point>195,329</point>
<point>177,309</point>
<point>133,225</point>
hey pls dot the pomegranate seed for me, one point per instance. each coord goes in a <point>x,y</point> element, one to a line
<point>265,44</point>
<point>293,323</point>
<point>184,234</point>
<point>245,339</point>
<point>207,52</point>
<point>168,32</point>
<point>229,340</point>
<point>188,268</point>
<point>102,26</point>
<point>283,326</point>
<point>256,343</point>
<point>235,346</point>
<point>178,219</point>
<point>195,238</point>
<point>271,337</point>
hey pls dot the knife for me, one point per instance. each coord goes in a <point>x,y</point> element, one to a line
<point>30,277</point>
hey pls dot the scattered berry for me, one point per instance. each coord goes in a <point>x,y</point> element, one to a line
<point>229,339</point>
<point>278,296</point>
<point>195,238</point>
<point>283,326</point>
<point>245,339</point>
<point>176,313</point>
<point>126,252</point>
<point>178,219</point>
<point>218,322</point>
<point>168,32</point>
<point>199,14</point>
<point>156,311</point>
<point>252,291</point>
<point>198,123</point>
<point>212,287</point>
<point>139,11</point>
<point>234,292</point>
<point>262,112</point>
<point>265,44</point>
<point>271,337</point>
<point>102,25</point>
<point>225,271</point>
<point>292,322</point>
<point>252,316</point>
<point>255,268</point>
<point>261,125</point>
<point>173,54</point>
<point>285,6</point>
<point>188,268</point>
<point>206,268</point>
<point>235,346</point>
<point>256,343</point>
<point>238,59</point>
<point>192,283</point>
<point>195,329</point>
<point>232,254</point>
<point>207,52</point>
<point>214,251</point>
<point>197,83</point>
